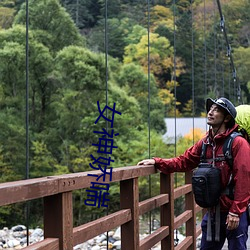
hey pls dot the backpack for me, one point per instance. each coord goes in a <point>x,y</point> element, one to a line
<point>206,179</point>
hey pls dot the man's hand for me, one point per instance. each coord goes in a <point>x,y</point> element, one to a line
<point>146,162</point>
<point>232,221</point>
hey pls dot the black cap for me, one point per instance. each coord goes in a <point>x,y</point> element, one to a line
<point>223,103</point>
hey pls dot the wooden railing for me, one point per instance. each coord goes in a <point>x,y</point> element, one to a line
<point>59,232</point>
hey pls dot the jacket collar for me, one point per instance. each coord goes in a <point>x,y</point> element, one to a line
<point>221,136</point>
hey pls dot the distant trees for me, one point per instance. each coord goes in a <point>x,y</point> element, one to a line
<point>6,14</point>
<point>148,71</point>
<point>53,26</point>
<point>66,80</point>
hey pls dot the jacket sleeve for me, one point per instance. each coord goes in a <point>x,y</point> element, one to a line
<point>241,175</point>
<point>185,162</point>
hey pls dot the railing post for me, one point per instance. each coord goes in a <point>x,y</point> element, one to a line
<point>129,198</point>
<point>190,205</point>
<point>58,219</point>
<point>167,210</point>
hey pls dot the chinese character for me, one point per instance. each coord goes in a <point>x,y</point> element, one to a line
<point>108,160</point>
<point>106,147</point>
<point>104,170</point>
<point>105,133</point>
<point>97,195</point>
<point>111,109</point>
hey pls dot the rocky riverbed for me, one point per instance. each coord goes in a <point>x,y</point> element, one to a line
<point>16,238</point>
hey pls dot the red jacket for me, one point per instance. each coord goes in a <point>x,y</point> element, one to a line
<point>241,167</point>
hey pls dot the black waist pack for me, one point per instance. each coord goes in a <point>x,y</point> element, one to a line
<point>206,183</point>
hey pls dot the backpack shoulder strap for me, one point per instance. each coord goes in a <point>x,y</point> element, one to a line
<point>227,148</point>
<point>203,152</point>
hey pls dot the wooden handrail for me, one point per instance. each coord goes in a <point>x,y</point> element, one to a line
<point>91,229</point>
<point>24,190</point>
<point>58,209</point>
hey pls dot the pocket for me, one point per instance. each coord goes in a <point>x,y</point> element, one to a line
<point>200,191</point>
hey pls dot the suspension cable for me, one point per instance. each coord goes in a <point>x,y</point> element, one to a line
<point>215,51</point>
<point>27,207</point>
<point>149,120</point>
<point>174,75</point>
<point>229,53</point>
<point>106,81</point>
<point>27,88</point>
<point>205,49</point>
<point>221,65</point>
<point>175,95</point>
<point>192,74</point>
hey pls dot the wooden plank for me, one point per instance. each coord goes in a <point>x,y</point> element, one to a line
<point>90,230</point>
<point>182,218</point>
<point>178,192</point>
<point>81,180</point>
<point>198,228</point>
<point>152,203</point>
<point>24,190</point>
<point>190,205</point>
<point>185,244</point>
<point>58,219</point>
<point>154,238</point>
<point>167,210</point>
<point>58,203</point>
<point>198,231</point>
<point>129,196</point>
<point>126,173</point>
<point>46,244</point>
<point>198,209</point>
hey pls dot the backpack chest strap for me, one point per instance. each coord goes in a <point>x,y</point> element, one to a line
<point>217,159</point>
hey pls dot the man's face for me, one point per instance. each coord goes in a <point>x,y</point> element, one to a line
<point>215,116</point>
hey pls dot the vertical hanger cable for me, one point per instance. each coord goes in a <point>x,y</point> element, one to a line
<point>106,79</point>
<point>175,102</point>
<point>237,87</point>
<point>27,207</point>
<point>215,52</point>
<point>149,122</point>
<point>192,76</point>
<point>205,50</point>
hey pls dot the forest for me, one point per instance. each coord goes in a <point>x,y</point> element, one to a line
<point>153,59</point>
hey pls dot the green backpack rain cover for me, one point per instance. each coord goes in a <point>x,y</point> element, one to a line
<point>243,118</point>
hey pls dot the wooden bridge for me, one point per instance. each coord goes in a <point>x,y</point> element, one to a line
<point>59,233</point>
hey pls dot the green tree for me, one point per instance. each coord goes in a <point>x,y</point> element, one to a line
<point>161,57</point>
<point>136,82</point>
<point>161,16</point>
<point>53,25</point>
<point>42,162</point>
<point>118,31</point>
<point>12,124</point>
<point>13,60</point>
<point>6,17</point>
<point>79,73</point>
<point>241,56</point>
<point>13,148</point>
<point>84,13</point>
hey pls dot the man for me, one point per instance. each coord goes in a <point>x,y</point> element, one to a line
<point>221,115</point>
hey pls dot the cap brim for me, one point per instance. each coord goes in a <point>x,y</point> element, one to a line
<point>209,103</point>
